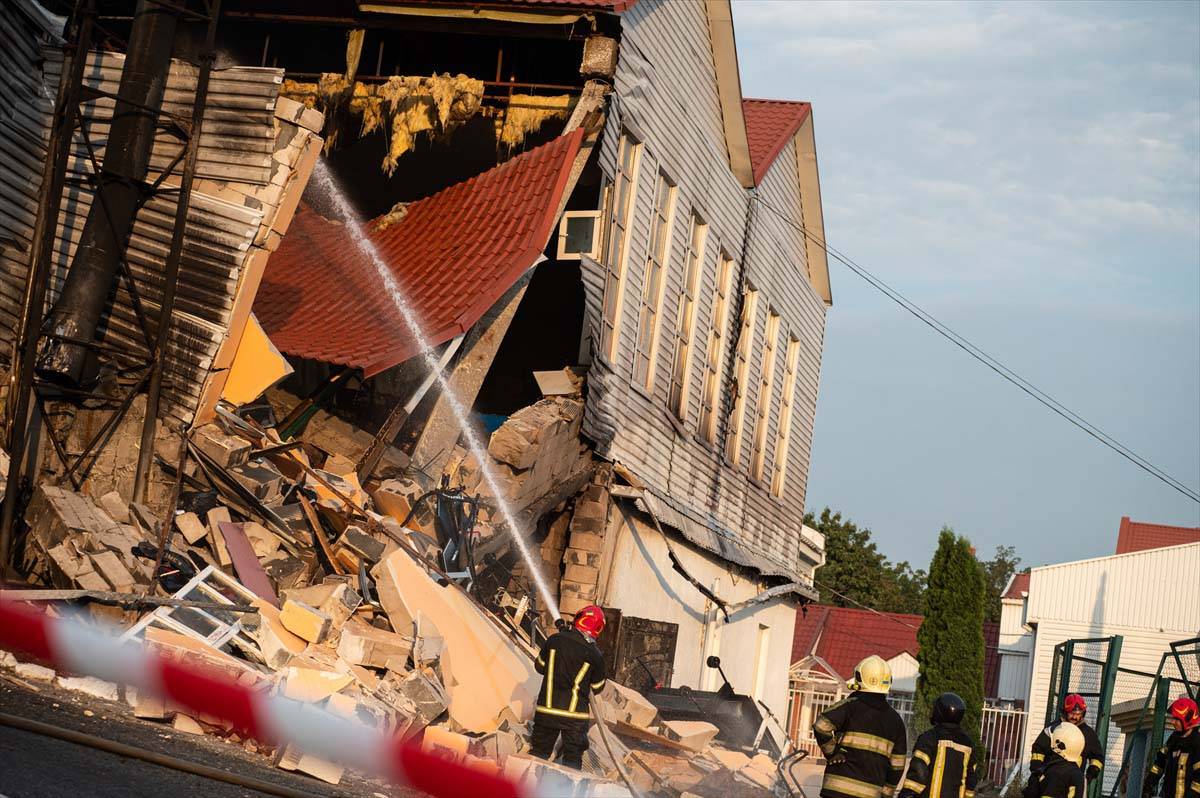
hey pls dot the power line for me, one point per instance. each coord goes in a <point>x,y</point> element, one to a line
<point>988,360</point>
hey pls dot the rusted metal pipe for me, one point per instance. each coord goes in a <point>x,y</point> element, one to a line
<point>119,193</point>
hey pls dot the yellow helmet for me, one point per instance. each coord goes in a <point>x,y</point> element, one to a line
<point>1066,740</point>
<point>872,675</point>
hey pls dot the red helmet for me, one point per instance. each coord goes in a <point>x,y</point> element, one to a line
<point>590,620</point>
<point>1185,711</point>
<point>1074,702</point>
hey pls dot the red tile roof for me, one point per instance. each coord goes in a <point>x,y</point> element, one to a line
<point>1018,587</point>
<point>1137,536</point>
<point>453,254</point>
<point>991,658</point>
<point>770,125</point>
<point>843,637</point>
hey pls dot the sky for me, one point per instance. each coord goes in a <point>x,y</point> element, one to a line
<point>1030,175</point>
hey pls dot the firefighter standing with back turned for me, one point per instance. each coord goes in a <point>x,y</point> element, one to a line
<point>1073,711</point>
<point>1061,775</point>
<point>863,738</point>
<point>572,668</point>
<point>943,763</point>
<point>1179,758</point>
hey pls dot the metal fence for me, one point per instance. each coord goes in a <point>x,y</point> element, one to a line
<point>1001,734</point>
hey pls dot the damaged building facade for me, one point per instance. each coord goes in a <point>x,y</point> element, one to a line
<point>615,260</point>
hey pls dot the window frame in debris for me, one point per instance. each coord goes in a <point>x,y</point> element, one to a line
<point>733,452</point>
<point>685,317</point>
<point>786,410</point>
<point>715,356</point>
<point>562,253</point>
<point>766,400</point>
<point>658,256</point>
<point>624,193</point>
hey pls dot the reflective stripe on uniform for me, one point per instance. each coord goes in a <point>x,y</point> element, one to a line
<point>583,669</point>
<point>887,791</point>
<point>849,786</point>
<point>915,786</point>
<point>550,681</point>
<point>868,742</point>
<point>562,713</point>
<point>598,685</point>
<point>1181,776</point>
<point>921,755</point>
<point>1155,769</point>
<point>897,761</point>
<point>1037,757</point>
<point>1095,763</point>
<point>969,794</point>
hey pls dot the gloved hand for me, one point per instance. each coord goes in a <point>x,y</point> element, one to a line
<point>836,759</point>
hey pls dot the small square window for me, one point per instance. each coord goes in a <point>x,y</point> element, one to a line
<point>579,235</point>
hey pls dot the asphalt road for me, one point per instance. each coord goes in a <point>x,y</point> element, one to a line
<point>36,766</point>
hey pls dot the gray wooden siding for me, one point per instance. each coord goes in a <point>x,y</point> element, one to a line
<point>666,97</point>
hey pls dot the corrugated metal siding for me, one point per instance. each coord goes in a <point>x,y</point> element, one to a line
<point>666,96</point>
<point>1111,591</point>
<point>246,172</point>
<point>1142,649</point>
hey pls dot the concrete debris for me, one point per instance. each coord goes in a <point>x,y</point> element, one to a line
<point>366,645</point>
<point>693,734</point>
<point>305,621</point>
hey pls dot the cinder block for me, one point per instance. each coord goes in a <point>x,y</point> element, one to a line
<point>582,574</point>
<point>578,589</point>
<point>582,557</point>
<point>586,541</point>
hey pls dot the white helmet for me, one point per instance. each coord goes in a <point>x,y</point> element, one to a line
<point>1066,740</point>
<point>872,675</point>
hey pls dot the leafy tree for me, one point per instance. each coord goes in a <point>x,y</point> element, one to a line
<point>996,573</point>
<point>857,574</point>
<point>951,637</point>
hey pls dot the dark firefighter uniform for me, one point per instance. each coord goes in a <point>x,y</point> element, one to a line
<point>865,747</point>
<point>1057,778</point>
<point>1093,751</point>
<point>573,669</point>
<point>943,764</point>
<point>1178,764</point>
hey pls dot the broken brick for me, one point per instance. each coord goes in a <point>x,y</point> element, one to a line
<point>305,621</point>
<point>363,644</point>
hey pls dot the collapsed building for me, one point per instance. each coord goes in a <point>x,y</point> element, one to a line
<point>616,265</point>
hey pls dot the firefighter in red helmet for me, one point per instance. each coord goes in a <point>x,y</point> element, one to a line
<point>1179,758</point>
<point>572,668</point>
<point>1074,710</point>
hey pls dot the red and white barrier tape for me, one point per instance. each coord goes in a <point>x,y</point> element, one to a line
<point>76,647</point>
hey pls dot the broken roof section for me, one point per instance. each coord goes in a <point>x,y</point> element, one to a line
<point>454,254</point>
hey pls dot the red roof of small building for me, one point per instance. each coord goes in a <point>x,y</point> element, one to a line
<point>843,637</point>
<point>770,125</point>
<point>1137,536</point>
<point>454,254</point>
<point>1018,587</point>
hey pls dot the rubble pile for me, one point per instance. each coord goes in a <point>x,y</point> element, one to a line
<point>345,595</point>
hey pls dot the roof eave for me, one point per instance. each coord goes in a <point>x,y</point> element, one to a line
<point>813,215</point>
<point>729,89</point>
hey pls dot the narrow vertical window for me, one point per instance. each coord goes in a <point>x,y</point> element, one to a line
<point>624,192</point>
<point>685,320</point>
<point>779,472</point>
<point>742,375</point>
<point>657,255</point>
<point>765,400</point>
<point>715,355</point>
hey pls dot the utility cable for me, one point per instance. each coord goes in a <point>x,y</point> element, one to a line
<point>988,360</point>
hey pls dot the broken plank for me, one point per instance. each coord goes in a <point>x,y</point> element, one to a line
<point>118,599</point>
<point>245,561</point>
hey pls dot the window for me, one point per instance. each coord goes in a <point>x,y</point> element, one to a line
<point>785,417</point>
<point>685,321</point>
<point>766,386</point>
<point>742,375</point>
<point>652,283</point>
<point>579,235</point>
<point>715,356</point>
<point>623,198</point>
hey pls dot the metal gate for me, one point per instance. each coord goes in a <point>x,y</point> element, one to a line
<point>1088,667</point>
<point>1002,735</point>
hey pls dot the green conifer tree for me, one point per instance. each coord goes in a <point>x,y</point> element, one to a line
<point>951,636</point>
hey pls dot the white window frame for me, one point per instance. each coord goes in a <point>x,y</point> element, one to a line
<point>715,356</point>
<point>624,188</point>
<point>742,374</point>
<point>685,319</point>
<point>786,410</point>
<point>762,419</point>
<point>658,255</point>
<point>597,235</point>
